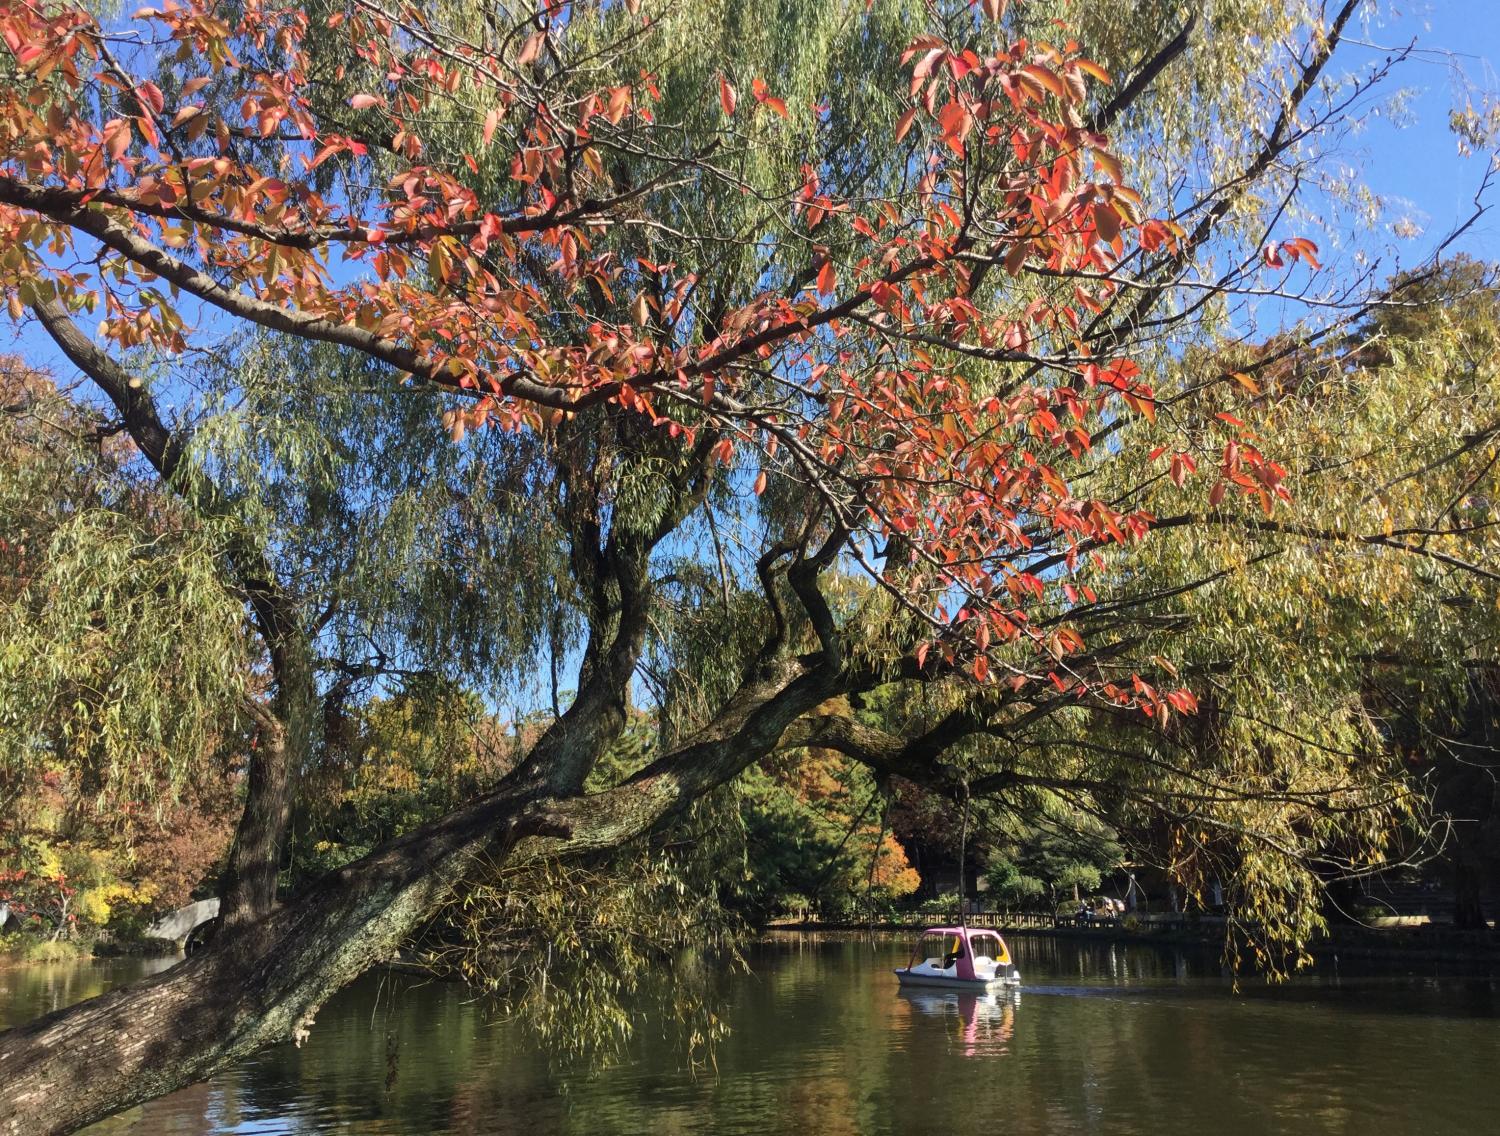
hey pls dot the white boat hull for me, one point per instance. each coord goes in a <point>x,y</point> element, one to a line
<point>915,977</point>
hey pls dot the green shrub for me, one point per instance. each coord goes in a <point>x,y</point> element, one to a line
<point>53,950</point>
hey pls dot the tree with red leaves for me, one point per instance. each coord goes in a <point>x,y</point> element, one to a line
<point>848,329</point>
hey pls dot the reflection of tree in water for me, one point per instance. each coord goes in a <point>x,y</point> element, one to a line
<point>823,1042</point>
<point>423,1033</point>
<point>1111,961</point>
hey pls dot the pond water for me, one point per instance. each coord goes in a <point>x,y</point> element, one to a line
<point>1102,1039</point>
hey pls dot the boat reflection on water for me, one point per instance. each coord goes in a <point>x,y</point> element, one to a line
<point>981,1025</point>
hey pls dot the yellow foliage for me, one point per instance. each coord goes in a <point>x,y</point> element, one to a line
<point>96,904</point>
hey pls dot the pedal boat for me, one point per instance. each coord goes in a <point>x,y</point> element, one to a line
<point>960,958</point>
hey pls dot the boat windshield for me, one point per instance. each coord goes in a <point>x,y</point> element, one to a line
<point>987,946</point>
<point>940,950</point>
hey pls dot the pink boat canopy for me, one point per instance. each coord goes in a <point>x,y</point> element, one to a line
<point>969,956</point>
<point>964,963</point>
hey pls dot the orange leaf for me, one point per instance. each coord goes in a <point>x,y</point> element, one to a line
<point>727,98</point>
<point>619,102</point>
<point>1093,69</point>
<point>1047,78</point>
<point>826,279</point>
<point>763,96</point>
<point>1107,221</point>
<point>116,137</point>
<point>903,124</point>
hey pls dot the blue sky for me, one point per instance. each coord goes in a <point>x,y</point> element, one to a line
<point>1418,163</point>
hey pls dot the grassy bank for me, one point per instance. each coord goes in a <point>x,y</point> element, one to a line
<point>19,948</point>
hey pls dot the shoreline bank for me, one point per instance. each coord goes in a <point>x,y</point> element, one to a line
<point>1434,943</point>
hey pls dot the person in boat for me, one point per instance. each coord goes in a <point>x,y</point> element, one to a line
<point>954,954</point>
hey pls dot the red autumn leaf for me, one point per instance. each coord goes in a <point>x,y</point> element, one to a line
<point>1300,248</point>
<point>727,97</point>
<point>763,96</point>
<point>926,64</point>
<point>826,279</point>
<point>150,94</point>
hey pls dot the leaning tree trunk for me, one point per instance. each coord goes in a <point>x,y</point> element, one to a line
<point>259,987</point>
<point>264,984</point>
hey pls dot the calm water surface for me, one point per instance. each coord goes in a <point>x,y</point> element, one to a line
<point>1101,1040</point>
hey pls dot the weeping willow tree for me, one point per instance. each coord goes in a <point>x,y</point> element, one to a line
<point>1339,647</point>
<point>124,666</point>
<point>737,369</point>
<point>1324,640</point>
